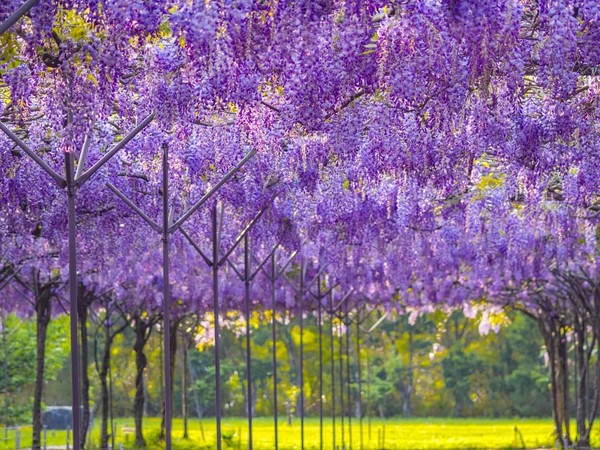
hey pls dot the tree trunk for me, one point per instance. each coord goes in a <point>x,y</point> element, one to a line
<point>557,389</point>
<point>406,403</point>
<point>184,388</point>
<point>104,396</point>
<point>294,368</point>
<point>199,410</point>
<point>596,390</point>
<point>173,331</point>
<point>142,332</point>
<point>104,385</point>
<point>43,309</point>
<point>564,379</point>
<point>582,385</point>
<point>85,379</point>
<point>254,397</point>
<point>548,335</point>
<point>410,379</point>
<point>242,378</point>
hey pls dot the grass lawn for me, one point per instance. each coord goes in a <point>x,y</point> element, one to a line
<point>406,434</point>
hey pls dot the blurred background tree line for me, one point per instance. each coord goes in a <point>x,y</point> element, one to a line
<point>437,364</point>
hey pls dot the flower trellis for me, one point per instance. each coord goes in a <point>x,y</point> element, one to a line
<point>412,154</point>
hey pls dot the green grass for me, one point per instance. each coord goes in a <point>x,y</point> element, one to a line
<point>407,434</point>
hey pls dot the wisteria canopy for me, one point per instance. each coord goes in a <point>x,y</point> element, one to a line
<point>419,153</point>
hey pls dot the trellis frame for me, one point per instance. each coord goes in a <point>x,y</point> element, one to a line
<point>73,180</point>
<point>247,277</point>
<point>166,230</point>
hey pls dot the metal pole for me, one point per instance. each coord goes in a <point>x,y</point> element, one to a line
<point>348,378</point>
<point>320,319</point>
<point>274,339</point>
<point>114,150</point>
<point>112,413</point>
<point>332,361</point>
<point>74,319</point>
<point>166,230</point>
<point>212,191</point>
<point>300,298</point>
<point>342,413</point>
<point>369,412</point>
<point>215,258</point>
<point>247,278</point>
<point>49,170</point>
<point>358,362</point>
<point>184,385</point>
<point>14,17</point>
<point>166,299</point>
<point>71,184</point>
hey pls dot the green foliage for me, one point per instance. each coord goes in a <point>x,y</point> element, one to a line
<point>18,363</point>
<point>460,369</point>
<point>154,442</point>
<point>9,53</point>
<point>436,365</point>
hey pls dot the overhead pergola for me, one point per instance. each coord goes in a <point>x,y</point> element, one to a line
<point>361,156</point>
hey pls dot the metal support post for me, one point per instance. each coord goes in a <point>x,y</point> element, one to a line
<point>247,280</point>
<point>167,229</point>
<point>72,184</point>
<point>14,17</point>
<point>73,310</point>
<point>166,299</point>
<point>300,300</point>
<point>332,362</point>
<point>215,267</point>
<point>341,360</point>
<point>348,377</point>
<point>274,340</point>
<point>360,406</point>
<point>320,320</point>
